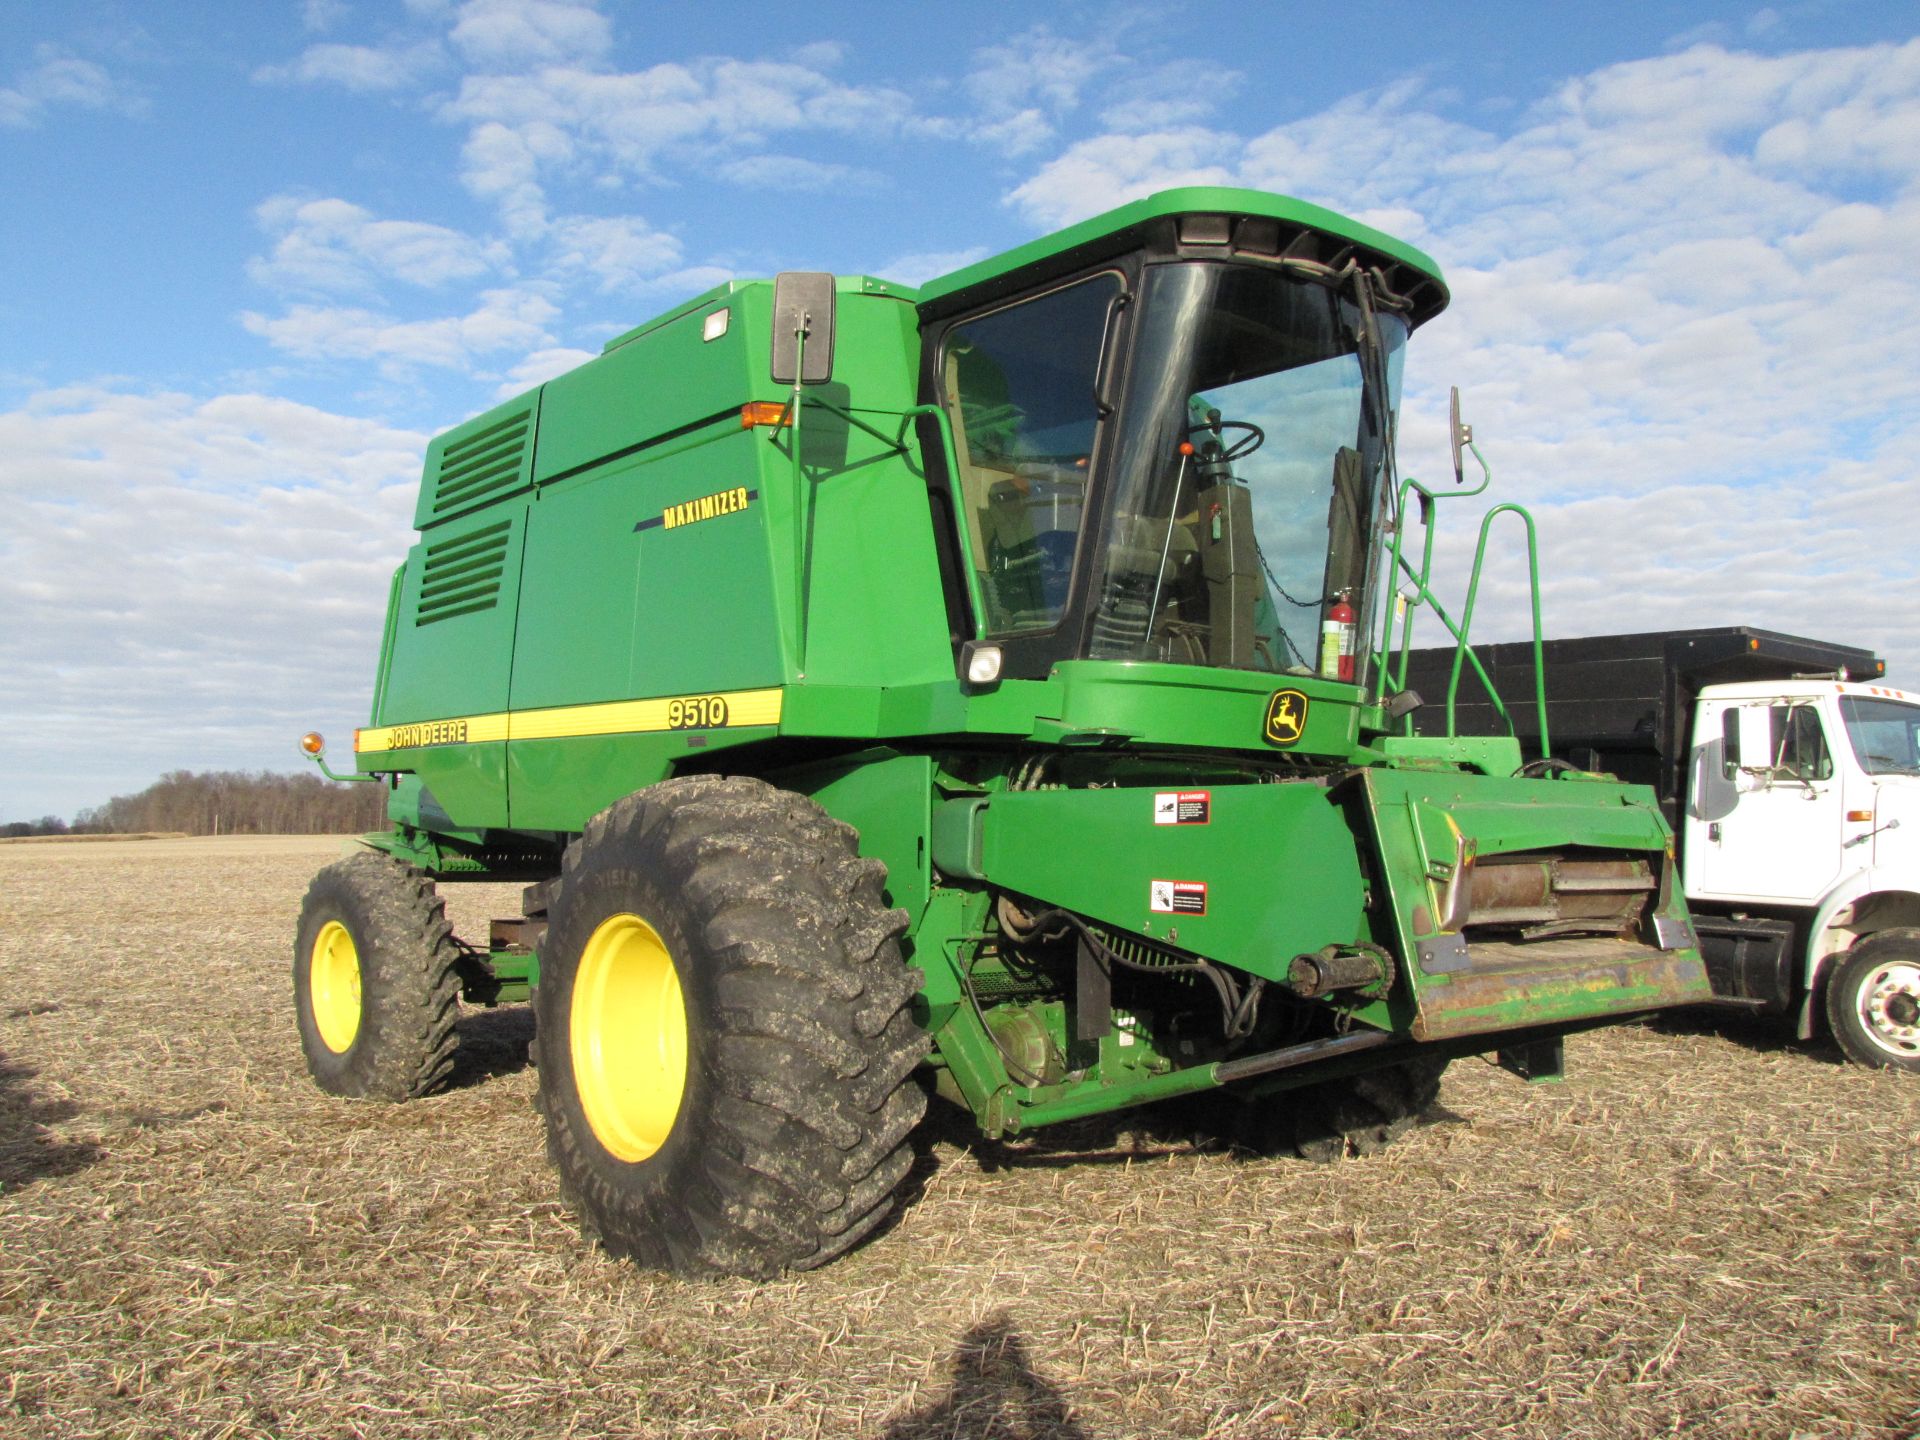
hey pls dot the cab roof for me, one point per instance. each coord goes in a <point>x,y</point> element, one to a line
<point>1200,219</point>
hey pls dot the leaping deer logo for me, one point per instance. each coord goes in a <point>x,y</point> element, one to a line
<point>1286,717</point>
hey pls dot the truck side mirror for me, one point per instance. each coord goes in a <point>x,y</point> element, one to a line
<point>803,302</point>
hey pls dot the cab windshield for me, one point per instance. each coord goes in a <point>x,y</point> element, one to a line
<point>1885,734</point>
<point>1247,472</point>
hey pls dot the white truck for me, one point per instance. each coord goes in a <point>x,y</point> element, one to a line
<point>1791,776</point>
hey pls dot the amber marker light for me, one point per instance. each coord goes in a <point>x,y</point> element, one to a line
<point>763,412</point>
<point>313,743</point>
<point>1860,816</point>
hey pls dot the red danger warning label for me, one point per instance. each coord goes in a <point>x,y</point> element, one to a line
<point>1177,897</point>
<point>1182,807</point>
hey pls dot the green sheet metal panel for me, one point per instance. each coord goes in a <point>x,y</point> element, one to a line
<point>665,379</point>
<point>1424,822</point>
<point>453,630</point>
<point>886,798</point>
<point>469,782</point>
<point>876,614</point>
<point>1513,814</point>
<point>650,577</point>
<point>559,784</point>
<point>483,462</point>
<point>1193,705</point>
<point>1271,872</point>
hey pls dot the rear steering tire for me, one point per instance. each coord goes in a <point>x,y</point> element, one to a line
<point>1873,1000</point>
<point>724,1031</point>
<point>375,990</point>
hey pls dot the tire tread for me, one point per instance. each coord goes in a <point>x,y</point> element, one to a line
<point>813,1044</point>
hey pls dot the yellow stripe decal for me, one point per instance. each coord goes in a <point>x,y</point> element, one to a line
<point>617,717</point>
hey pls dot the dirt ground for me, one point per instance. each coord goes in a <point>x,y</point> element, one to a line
<point>1704,1231</point>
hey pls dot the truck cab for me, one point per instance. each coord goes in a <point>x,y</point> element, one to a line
<point>1796,791</point>
<point>1803,819</point>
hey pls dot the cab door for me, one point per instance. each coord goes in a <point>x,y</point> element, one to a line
<point>1764,810</point>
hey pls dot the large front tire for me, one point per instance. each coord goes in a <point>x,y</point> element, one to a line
<point>375,991</point>
<point>724,1032</point>
<point>1873,1000</point>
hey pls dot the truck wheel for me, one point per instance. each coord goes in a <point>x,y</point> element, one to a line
<point>1873,1000</point>
<point>1357,1115</point>
<point>374,986</point>
<point>724,1031</point>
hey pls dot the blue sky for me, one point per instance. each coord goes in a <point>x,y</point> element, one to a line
<point>254,256</point>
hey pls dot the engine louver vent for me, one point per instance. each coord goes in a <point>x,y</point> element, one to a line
<point>462,574</point>
<point>482,466</point>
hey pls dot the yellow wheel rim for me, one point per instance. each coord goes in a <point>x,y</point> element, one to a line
<point>629,1037</point>
<point>333,982</point>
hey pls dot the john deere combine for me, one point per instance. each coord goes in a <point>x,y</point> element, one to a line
<point>987,681</point>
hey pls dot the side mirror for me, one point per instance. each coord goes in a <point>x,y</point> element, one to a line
<point>803,303</point>
<point>1459,436</point>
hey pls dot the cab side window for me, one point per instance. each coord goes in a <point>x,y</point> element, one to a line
<point>1799,745</point>
<point>1019,383</point>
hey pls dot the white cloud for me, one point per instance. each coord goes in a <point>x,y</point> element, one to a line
<point>364,68</point>
<point>188,582</point>
<point>568,121</point>
<point>1168,95</point>
<point>504,319</point>
<point>503,163</point>
<point>1097,174</point>
<point>321,16</point>
<point>1022,89</point>
<point>694,280</point>
<point>1023,92</point>
<point>917,269</point>
<point>619,252</point>
<point>540,367</point>
<point>790,173</point>
<point>332,246</point>
<point>58,78</point>
<point>521,34</point>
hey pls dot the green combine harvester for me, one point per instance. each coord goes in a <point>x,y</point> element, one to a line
<point>984,690</point>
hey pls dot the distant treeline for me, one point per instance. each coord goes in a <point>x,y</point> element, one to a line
<point>227,802</point>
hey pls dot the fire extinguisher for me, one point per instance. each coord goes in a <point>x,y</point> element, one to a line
<point>1336,639</point>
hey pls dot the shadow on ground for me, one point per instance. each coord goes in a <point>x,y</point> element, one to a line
<point>493,1043</point>
<point>1127,1137</point>
<point>1198,1124</point>
<point>992,1389</point>
<point>28,1150</point>
<point>1764,1034</point>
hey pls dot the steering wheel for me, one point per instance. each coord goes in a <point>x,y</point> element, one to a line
<point>1251,438</point>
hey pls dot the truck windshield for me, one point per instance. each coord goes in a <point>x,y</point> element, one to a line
<point>1247,470</point>
<point>1885,734</point>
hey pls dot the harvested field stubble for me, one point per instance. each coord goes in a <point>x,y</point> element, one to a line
<point>1696,1234</point>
